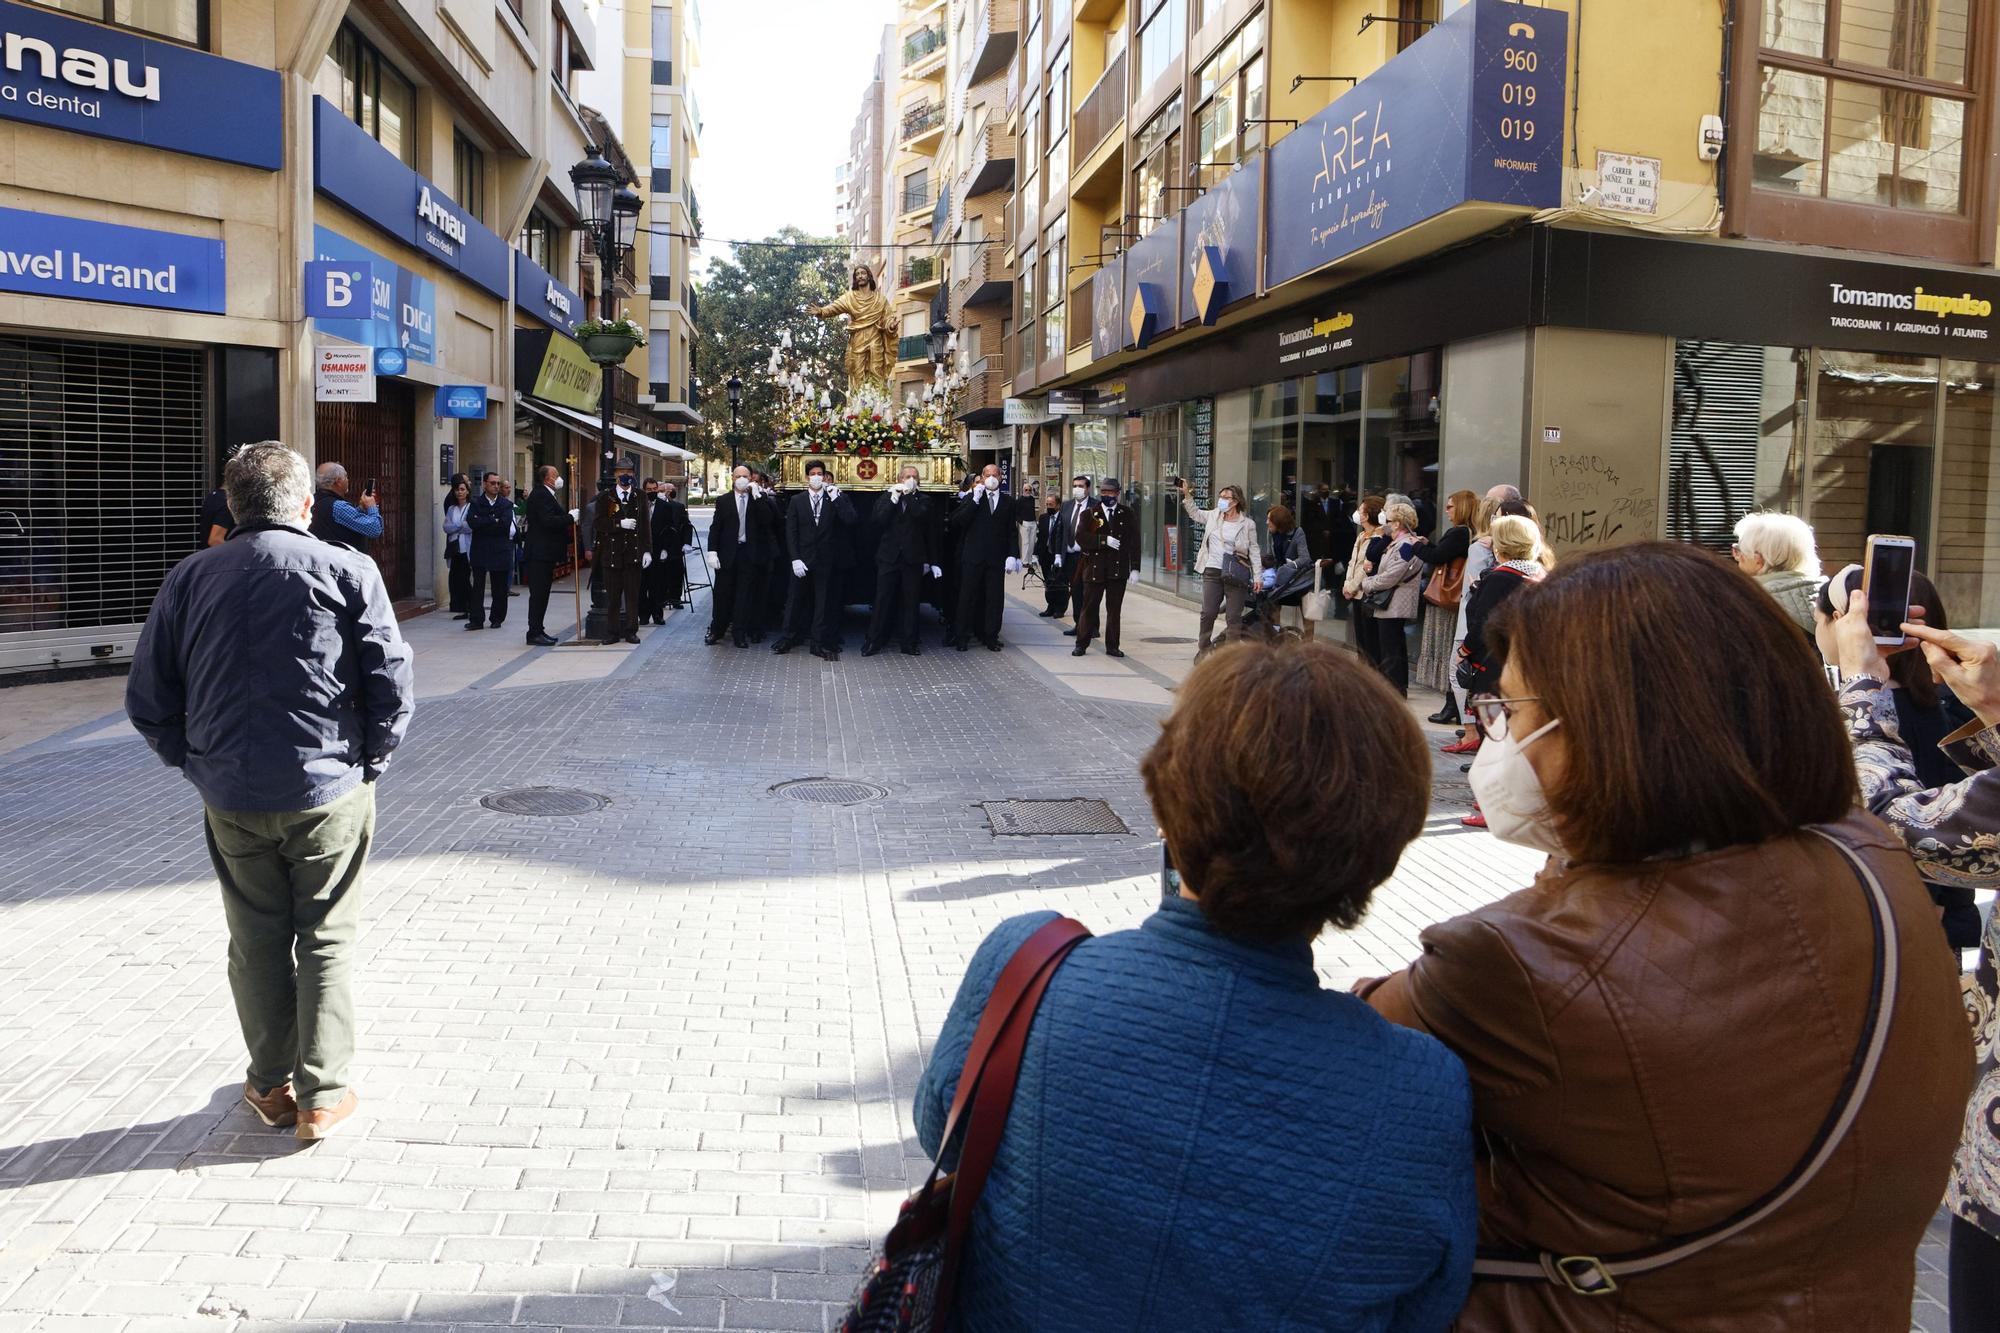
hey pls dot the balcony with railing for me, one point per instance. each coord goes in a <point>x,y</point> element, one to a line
<point>984,396</point>
<point>1079,316</point>
<point>992,166</point>
<point>913,347</point>
<point>941,217</point>
<point>1102,112</point>
<point>921,125</point>
<point>995,33</point>
<point>915,198</point>
<point>922,49</point>
<point>986,281</point>
<point>920,275</point>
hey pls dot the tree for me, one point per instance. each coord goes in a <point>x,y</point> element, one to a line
<point>747,303</point>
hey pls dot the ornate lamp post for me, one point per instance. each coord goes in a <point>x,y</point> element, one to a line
<point>735,387</point>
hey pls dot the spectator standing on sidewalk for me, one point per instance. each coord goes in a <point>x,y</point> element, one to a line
<point>272,674</point>
<point>1203,1137</point>
<point>1953,831</point>
<point>546,543</point>
<point>491,520</point>
<point>1777,550</point>
<point>1049,556</point>
<point>458,548</point>
<point>1370,538</point>
<point>216,521</point>
<point>1660,1029</point>
<point>1516,541</point>
<point>1399,574</point>
<point>1444,589</point>
<point>1109,537</point>
<point>1229,560</point>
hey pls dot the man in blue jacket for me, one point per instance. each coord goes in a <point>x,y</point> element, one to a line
<point>272,674</point>
<point>491,518</point>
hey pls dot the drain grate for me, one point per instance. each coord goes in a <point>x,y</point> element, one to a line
<point>830,791</point>
<point>545,801</point>
<point>1169,639</point>
<point>1045,817</point>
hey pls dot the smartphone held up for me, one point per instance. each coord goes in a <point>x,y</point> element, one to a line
<point>1885,579</point>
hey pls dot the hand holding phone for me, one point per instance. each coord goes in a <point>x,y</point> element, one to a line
<point>1885,581</point>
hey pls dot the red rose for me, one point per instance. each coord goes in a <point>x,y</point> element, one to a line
<point>863,451</point>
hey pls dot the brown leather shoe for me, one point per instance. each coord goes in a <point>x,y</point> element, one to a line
<point>317,1124</point>
<point>275,1108</point>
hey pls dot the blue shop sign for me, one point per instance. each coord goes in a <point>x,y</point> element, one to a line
<point>1152,285</point>
<point>42,254</point>
<point>1219,244</point>
<point>99,81</point>
<point>390,361</point>
<point>350,168</point>
<point>1470,113</point>
<point>537,292</point>
<point>400,308</point>
<point>464,402</point>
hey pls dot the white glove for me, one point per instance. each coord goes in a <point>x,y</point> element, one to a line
<point>575,514</point>
<point>798,569</point>
<point>833,492</point>
<point>758,491</point>
<point>1058,562</point>
<point>1112,542</point>
<point>646,560</point>
<point>1013,565</point>
<point>688,549</point>
<point>936,573</point>
<point>714,562</point>
<point>629,524</point>
<point>895,495</point>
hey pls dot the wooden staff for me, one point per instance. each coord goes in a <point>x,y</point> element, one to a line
<point>576,558</point>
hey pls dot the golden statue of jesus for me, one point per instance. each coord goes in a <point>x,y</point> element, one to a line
<point>871,331</point>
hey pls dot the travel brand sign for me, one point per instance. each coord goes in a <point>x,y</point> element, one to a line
<point>83,77</point>
<point>1471,112</point>
<point>43,254</point>
<point>397,309</point>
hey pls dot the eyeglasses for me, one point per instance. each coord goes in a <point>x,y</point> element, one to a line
<point>1494,714</point>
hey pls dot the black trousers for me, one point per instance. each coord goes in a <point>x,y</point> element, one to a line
<point>896,592</point>
<point>1975,1279</point>
<point>1394,646</point>
<point>496,579</point>
<point>1076,597</point>
<point>660,586</point>
<point>1055,588</point>
<point>458,566</point>
<point>739,591</point>
<point>621,600</point>
<point>1112,595</point>
<point>1368,638</point>
<point>982,592</point>
<point>812,609</point>
<point>540,574</point>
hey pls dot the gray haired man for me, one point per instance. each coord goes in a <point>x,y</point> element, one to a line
<point>272,674</point>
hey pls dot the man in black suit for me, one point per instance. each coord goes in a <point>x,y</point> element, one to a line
<point>1109,537</point>
<point>491,518</point>
<point>673,538</point>
<point>1068,548</point>
<point>548,545</point>
<point>743,543</point>
<point>907,551</point>
<point>989,549</point>
<point>1048,554</point>
<point>816,543</point>
<point>622,539</point>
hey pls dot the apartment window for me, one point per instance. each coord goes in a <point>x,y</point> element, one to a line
<point>1055,276</point>
<point>562,59</point>
<point>176,20</point>
<point>1030,271</point>
<point>1157,157</point>
<point>1419,16</point>
<point>1231,89</point>
<point>916,191</point>
<point>374,95</point>
<point>1864,102</point>
<point>663,44</point>
<point>971,348</point>
<point>1057,120</point>
<point>468,165</point>
<point>663,152</point>
<point>1162,37</point>
<point>537,238</point>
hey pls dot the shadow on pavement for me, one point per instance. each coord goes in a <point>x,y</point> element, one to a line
<point>223,1127</point>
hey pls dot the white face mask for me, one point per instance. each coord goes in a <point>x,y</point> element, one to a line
<point>816,481</point>
<point>1222,503</point>
<point>992,483</point>
<point>1076,492</point>
<point>742,485</point>
<point>556,484</point>
<point>1510,794</point>
<point>908,484</point>
<point>1360,519</point>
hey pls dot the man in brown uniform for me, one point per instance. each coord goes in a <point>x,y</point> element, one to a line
<point>623,540</point>
<point>1108,534</point>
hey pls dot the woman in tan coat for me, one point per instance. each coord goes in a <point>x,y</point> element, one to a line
<point>1661,1028</point>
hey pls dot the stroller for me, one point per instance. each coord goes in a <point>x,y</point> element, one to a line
<point>1260,610</point>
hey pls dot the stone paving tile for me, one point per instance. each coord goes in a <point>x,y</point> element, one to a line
<point>677,1036</point>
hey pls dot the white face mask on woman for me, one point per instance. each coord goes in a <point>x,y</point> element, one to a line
<point>1510,793</point>
<point>1222,503</point>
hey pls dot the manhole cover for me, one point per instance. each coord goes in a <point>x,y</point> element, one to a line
<point>1167,638</point>
<point>544,801</point>
<point>830,791</point>
<point>1030,818</point>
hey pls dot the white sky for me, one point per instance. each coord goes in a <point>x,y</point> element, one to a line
<point>779,85</point>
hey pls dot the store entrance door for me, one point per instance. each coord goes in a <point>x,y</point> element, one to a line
<point>377,440</point>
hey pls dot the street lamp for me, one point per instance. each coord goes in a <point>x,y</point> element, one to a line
<point>940,338</point>
<point>735,387</point>
<point>610,211</point>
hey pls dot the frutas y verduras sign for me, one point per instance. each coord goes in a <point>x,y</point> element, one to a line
<point>94,80</point>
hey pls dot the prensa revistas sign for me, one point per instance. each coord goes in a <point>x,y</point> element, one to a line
<point>89,79</point>
<point>42,254</point>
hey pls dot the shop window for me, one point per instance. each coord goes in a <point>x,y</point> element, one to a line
<point>1162,38</point>
<point>1157,164</point>
<point>1738,437</point>
<point>176,20</point>
<point>1231,91</point>
<point>1966,567</point>
<point>1874,429</point>
<point>469,175</point>
<point>374,95</point>
<point>1862,102</point>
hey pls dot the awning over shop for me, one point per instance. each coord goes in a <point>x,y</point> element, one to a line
<point>590,428</point>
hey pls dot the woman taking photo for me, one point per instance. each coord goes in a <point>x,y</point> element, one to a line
<point>1229,561</point>
<point>1398,574</point>
<point>1369,539</point>
<point>1444,574</point>
<point>458,547</point>
<point>1720,1026</point>
<point>1201,1136</point>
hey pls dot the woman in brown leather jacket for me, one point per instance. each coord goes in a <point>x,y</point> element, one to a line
<point>1660,1028</point>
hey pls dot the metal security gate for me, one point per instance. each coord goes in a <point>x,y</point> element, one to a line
<point>376,440</point>
<point>103,466</point>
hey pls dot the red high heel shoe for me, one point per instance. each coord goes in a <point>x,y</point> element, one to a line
<point>1474,820</point>
<point>1466,744</point>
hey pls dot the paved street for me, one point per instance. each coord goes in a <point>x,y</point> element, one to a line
<point>648,1065</point>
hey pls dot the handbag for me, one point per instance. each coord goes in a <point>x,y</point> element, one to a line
<point>1317,604</point>
<point>912,1284</point>
<point>1447,584</point>
<point>1591,1275</point>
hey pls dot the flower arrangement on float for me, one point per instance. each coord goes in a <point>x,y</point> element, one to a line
<point>867,422</point>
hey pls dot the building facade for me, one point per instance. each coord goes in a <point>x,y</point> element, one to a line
<point>378,186</point>
<point>1409,246</point>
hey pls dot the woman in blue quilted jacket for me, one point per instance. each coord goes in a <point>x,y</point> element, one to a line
<point>1203,1137</point>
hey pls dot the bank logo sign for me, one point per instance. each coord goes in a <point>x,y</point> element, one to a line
<point>88,79</point>
<point>356,294</point>
<point>537,292</point>
<point>43,254</point>
<point>1910,310</point>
